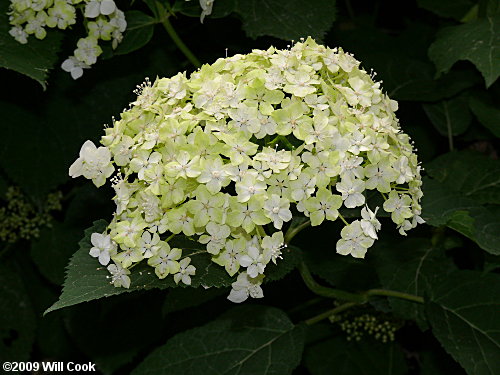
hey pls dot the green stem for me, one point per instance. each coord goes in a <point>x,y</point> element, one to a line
<point>179,43</point>
<point>286,142</point>
<point>325,291</point>
<point>329,313</point>
<point>260,231</point>
<point>292,232</point>
<point>344,220</point>
<point>273,141</point>
<point>393,293</point>
<point>361,297</point>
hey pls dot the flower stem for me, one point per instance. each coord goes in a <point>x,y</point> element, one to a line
<point>361,297</point>
<point>344,220</point>
<point>393,293</point>
<point>329,313</point>
<point>292,232</point>
<point>179,43</point>
<point>324,291</point>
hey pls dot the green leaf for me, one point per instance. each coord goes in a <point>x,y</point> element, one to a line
<point>71,112</point>
<point>135,330</point>
<point>87,280</point>
<point>183,298</point>
<point>477,41</point>
<point>342,272</point>
<point>247,340</point>
<point>442,206</point>
<point>367,357</point>
<point>474,175</point>
<point>140,29</point>
<point>435,361</point>
<point>53,248</point>
<point>291,258</point>
<point>17,319</point>
<point>410,271</point>
<point>407,73</point>
<point>463,312</point>
<point>487,225</point>
<point>487,113</point>
<point>289,20</point>
<point>450,117</point>
<point>456,9</point>
<point>439,204</point>
<point>33,59</point>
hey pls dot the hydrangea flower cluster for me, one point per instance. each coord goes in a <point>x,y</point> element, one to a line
<point>230,155</point>
<point>102,19</point>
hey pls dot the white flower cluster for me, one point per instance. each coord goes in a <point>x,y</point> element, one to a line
<point>102,19</point>
<point>228,156</point>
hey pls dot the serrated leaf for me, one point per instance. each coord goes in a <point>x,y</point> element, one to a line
<point>340,271</point>
<point>135,330</point>
<point>410,271</point>
<point>140,29</point>
<point>406,72</point>
<point>247,340</point>
<point>291,258</point>
<point>367,357</point>
<point>474,175</point>
<point>33,59</point>
<point>487,113</point>
<point>477,41</point>
<point>17,319</point>
<point>487,229</point>
<point>52,249</point>
<point>443,206</point>
<point>179,299</point>
<point>71,112</point>
<point>450,117</point>
<point>463,312</point>
<point>288,20</point>
<point>87,280</point>
<point>439,204</point>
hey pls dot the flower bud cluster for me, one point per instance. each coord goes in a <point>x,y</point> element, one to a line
<point>19,219</point>
<point>356,328</point>
<point>230,155</point>
<point>102,20</point>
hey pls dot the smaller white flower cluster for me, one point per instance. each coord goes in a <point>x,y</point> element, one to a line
<point>102,19</point>
<point>229,155</point>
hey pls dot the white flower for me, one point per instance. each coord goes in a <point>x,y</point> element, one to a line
<point>74,67</point>
<point>354,241</point>
<point>96,7</point>
<point>244,287</point>
<point>186,270</point>
<point>217,239</point>
<point>399,206</point>
<point>119,275</point>
<point>18,33</point>
<point>93,163</point>
<point>273,245</point>
<point>103,247</point>
<point>369,223</point>
<point>206,6</point>
<point>351,191</point>
<point>278,210</point>
<point>149,245</point>
<point>254,260</point>
<point>88,50</point>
